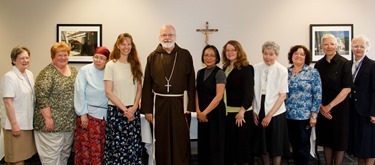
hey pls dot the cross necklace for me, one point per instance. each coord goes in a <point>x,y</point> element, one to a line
<point>165,73</point>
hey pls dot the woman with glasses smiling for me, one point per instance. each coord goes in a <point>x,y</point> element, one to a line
<point>362,104</point>
<point>271,86</point>
<point>17,107</point>
<point>91,104</point>
<point>238,97</point>
<point>210,109</point>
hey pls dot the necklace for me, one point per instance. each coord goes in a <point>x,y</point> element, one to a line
<point>170,76</point>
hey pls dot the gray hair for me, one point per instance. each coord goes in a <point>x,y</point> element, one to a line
<point>362,38</point>
<point>272,46</point>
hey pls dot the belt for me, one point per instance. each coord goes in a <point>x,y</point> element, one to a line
<point>168,95</point>
<point>96,106</point>
<point>184,95</point>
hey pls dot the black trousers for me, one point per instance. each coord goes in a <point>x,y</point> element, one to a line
<point>299,137</point>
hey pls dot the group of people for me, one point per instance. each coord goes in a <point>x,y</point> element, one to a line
<point>336,96</point>
<point>243,110</point>
<point>96,106</point>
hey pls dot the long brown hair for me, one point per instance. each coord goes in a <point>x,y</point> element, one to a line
<point>133,58</point>
<point>241,55</point>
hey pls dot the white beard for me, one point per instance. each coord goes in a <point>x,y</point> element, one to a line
<point>167,45</point>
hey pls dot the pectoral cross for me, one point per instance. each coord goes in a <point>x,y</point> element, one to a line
<point>207,31</point>
<point>168,85</point>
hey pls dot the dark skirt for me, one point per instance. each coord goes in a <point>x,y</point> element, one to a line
<point>361,136</point>
<point>274,138</point>
<point>211,138</point>
<point>239,140</point>
<point>123,138</point>
<point>334,133</point>
<point>89,142</point>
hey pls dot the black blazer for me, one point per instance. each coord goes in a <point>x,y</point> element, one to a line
<point>240,87</point>
<point>363,90</point>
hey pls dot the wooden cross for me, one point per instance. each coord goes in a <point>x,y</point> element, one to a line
<point>207,31</point>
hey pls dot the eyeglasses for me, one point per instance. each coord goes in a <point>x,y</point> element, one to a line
<point>209,56</point>
<point>98,58</point>
<point>23,58</point>
<point>167,35</point>
<point>231,50</point>
<point>359,47</point>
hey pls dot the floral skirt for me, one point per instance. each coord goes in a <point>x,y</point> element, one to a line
<point>89,142</point>
<point>123,144</point>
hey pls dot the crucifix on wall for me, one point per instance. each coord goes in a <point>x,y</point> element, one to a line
<point>207,31</point>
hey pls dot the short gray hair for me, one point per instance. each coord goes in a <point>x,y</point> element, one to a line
<point>271,45</point>
<point>326,36</point>
<point>362,38</point>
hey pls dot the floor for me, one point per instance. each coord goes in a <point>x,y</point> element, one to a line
<point>348,160</point>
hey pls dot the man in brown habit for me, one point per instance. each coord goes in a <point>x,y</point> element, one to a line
<point>169,73</point>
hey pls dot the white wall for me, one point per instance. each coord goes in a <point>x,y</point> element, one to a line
<point>32,23</point>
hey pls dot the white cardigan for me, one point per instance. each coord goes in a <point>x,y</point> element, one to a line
<point>14,85</point>
<point>277,83</point>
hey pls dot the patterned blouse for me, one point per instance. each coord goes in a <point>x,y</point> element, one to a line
<point>54,90</point>
<point>305,93</point>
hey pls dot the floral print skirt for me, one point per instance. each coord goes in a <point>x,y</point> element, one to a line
<point>89,142</point>
<point>123,138</point>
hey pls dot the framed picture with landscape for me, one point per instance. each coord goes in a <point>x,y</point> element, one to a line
<point>343,34</point>
<point>82,38</point>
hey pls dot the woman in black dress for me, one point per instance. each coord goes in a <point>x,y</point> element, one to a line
<point>210,109</point>
<point>238,95</point>
<point>332,126</point>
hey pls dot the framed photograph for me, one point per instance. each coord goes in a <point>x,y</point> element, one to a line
<point>82,38</point>
<point>343,34</point>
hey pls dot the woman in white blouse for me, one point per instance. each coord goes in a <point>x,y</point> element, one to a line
<point>270,88</point>
<point>17,108</point>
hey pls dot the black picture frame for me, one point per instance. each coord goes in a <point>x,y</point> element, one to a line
<point>82,38</point>
<point>343,33</point>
